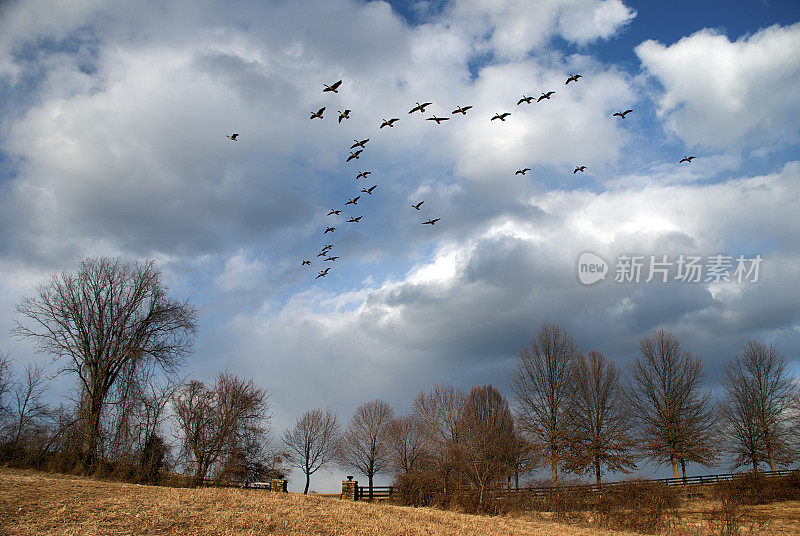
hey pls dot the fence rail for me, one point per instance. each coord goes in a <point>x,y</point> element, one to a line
<point>680,481</point>
<point>378,492</point>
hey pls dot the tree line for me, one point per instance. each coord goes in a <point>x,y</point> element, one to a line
<point>113,328</point>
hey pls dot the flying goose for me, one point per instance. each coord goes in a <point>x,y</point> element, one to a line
<point>232,137</point>
<point>501,117</point>
<point>361,143</point>
<point>524,99</point>
<point>330,259</point>
<point>363,174</point>
<point>355,220</point>
<point>545,96</point>
<point>622,114</point>
<point>323,273</point>
<point>522,171</point>
<point>332,212</point>
<point>461,110</point>
<point>353,201</point>
<point>418,205</point>
<point>369,190</point>
<point>579,168</point>
<point>572,78</point>
<point>437,119</point>
<point>431,222</point>
<point>390,122</point>
<point>343,115</point>
<point>318,113</point>
<point>306,263</point>
<point>329,230</point>
<point>420,107</point>
<point>333,87</point>
<point>687,159</point>
<point>354,154</point>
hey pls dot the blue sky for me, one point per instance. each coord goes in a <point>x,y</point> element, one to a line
<point>112,142</point>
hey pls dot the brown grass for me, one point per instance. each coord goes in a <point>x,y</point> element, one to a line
<point>36,504</point>
<point>33,503</point>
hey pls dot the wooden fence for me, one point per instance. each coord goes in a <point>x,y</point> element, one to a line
<point>681,481</point>
<point>378,492</point>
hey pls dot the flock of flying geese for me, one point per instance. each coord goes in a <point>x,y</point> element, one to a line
<point>360,145</point>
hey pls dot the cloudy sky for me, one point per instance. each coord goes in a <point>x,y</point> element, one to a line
<point>112,142</point>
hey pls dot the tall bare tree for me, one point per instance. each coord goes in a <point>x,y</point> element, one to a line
<point>222,427</point>
<point>407,444</point>
<point>313,442</point>
<point>439,414</point>
<point>601,435</point>
<point>758,396</point>
<point>671,411</point>
<point>5,383</point>
<point>365,442</point>
<point>541,383</point>
<point>105,318</point>
<point>489,442</point>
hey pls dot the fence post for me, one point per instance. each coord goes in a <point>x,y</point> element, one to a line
<point>350,489</point>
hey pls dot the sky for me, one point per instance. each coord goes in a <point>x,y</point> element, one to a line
<point>113,124</point>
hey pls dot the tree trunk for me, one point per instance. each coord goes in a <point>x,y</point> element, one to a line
<point>683,469</point>
<point>93,434</point>
<point>597,468</point>
<point>308,480</point>
<point>674,460</point>
<point>554,467</point>
<point>370,487</point>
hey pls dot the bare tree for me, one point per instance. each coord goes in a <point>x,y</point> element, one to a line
<point>313,442</point>
<point>601,430</point>
<point>758,397</point>
<point>671,412</point>
<point>489,442</point>
<point>541,383</point>
<point>29,409</point>
<point>106,317</point>
<point>407,444</point>
<point>5,383</point>
<point>439,414</point>
<point>525,458</point>
<point>222,427</point>
<point>365,442</point>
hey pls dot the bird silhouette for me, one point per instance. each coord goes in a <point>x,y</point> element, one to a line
<point>361,143</point>
<point>332,212</point>
<point>501,117</point>
<point>318,113</point>
<point>437,119</point>
<point>524,99</point>
<point>330,259</point>
<point>322,253</point>
<point>390,122</point>
<point>306,263</point>
<point>431,222</point>
<point>232,137</point>
<point>522,171</point>
<point>354,154</point>
<point>622,114</point>
<point>353,201</point>
<point>327,247</point>
<point>355,220</point>
<point>363,174</point>
<point>687,159</point>
<point>572,78</point>
<point>323,273</point>
<point>333,87</point>
<point>579,168</point>
<point>420,107</point>
<point>329,230</point>
<point>418,205</point>
<point>343,115</point>
<point>461,110</point>
<point>545,96</point>
<point>369,190</point>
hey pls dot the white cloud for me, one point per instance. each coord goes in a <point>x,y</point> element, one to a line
<point>718,93</point>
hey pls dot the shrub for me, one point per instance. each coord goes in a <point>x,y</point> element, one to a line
<point>639,506</point>
<point>754,488</point>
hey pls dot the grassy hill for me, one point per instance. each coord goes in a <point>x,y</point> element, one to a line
<point>34,503</point>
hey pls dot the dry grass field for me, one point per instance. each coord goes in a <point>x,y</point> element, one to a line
<point>37,504</point>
